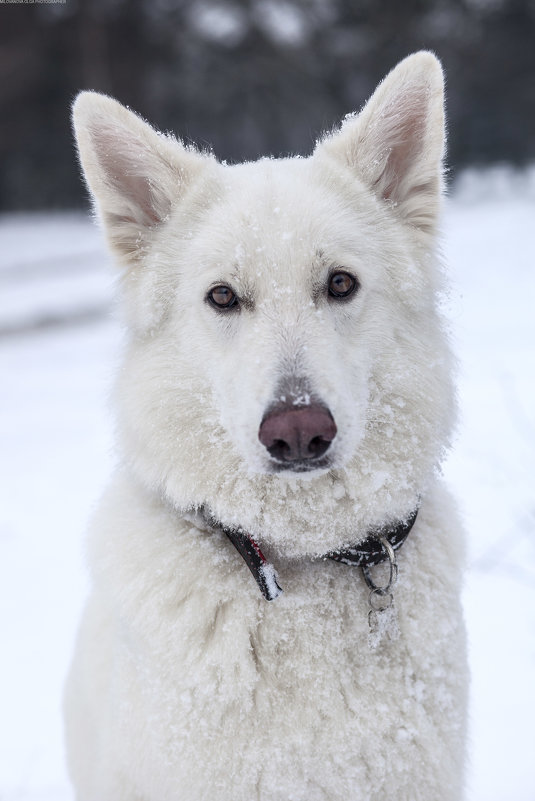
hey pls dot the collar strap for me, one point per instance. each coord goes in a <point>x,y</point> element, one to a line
<point>262,570</point>
<point>365,554</point>
<point>371,551</point>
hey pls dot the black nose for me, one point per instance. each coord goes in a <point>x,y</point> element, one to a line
<point>296,434</point>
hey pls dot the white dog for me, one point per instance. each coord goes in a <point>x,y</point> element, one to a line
<point>285,397</point>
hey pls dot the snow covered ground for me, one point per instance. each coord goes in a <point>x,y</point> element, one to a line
<point>58,347</point>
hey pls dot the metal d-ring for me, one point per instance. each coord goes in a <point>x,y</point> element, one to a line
<point>380,601</point>
<point>375,589</point>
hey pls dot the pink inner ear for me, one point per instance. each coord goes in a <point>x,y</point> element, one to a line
<point>127,164</point>
<point>403,139</point>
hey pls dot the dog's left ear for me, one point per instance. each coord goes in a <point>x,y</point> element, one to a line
<point>396,144</point>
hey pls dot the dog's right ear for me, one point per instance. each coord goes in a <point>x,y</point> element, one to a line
<point>134,173</point>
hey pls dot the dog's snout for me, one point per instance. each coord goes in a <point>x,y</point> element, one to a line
<point>297,433</point>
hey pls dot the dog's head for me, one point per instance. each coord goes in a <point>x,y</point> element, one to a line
<point>284,342</point>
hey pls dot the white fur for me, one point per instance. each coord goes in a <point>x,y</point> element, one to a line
<point>186,683</point>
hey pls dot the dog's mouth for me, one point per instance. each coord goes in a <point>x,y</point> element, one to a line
<point>299,466</point>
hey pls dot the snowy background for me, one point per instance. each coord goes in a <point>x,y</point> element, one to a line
<point>59,345</point>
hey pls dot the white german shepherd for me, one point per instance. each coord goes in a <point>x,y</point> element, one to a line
<point>285,403</point>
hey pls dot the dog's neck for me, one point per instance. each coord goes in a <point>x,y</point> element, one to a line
<point>369,551</point>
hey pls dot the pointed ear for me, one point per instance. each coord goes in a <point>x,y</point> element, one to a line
<point>134,173</point>
<point>396,144</point>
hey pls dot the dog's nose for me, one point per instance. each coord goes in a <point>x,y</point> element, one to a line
<point>296,434</point>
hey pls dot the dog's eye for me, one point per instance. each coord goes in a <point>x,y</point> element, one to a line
<point>222,297</point>
<point>342,284</point>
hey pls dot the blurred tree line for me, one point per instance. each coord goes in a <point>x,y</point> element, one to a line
<point>251,77</point>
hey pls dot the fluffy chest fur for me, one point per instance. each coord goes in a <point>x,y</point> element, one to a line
<point>215,688</point>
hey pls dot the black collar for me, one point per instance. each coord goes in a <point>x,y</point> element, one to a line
<point>367,553</point>
<point>370,551</point>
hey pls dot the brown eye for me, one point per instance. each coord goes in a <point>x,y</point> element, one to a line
<point>342,284</point>
<point>222,297</point>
